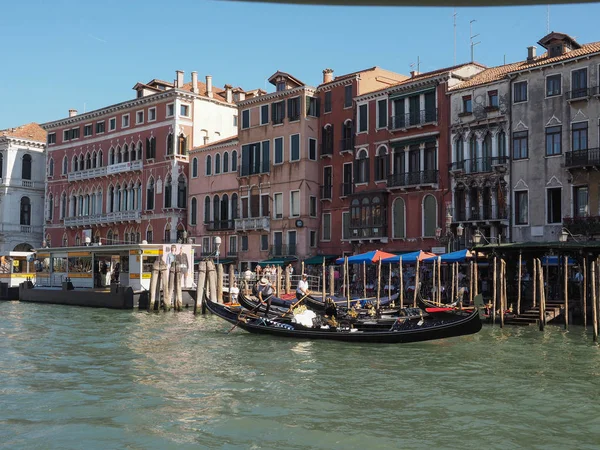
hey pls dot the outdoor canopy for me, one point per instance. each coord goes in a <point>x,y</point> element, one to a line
<point>318,259</point>
<point>409,258</point>
<point>368,258</point>
<point>458,256</point>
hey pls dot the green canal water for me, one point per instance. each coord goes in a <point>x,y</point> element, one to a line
<point>73,378</point>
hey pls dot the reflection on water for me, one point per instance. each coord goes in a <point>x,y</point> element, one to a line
<point>114,379</point>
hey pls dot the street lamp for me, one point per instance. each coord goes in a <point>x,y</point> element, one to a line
<point>217,244</point>
<point>564,235</point>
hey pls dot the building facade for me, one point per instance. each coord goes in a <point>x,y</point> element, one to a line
<point>120,174</point>
<point>22,184</point>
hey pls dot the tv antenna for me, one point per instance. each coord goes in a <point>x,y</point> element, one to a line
<point>454,16</point>
<point>473,44</point>
<point>417,64</point>
<point>548,19</point>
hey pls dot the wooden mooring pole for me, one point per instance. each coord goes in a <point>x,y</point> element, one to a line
<point>542,320</point>
<point>331,281</point>
<point>323,282</point>
<point>502,291</point>
<point>416,285</point>
<point>519,285</point>
<point>287,282</point>
<point>220,283</point>
<point>566,281</point>
<point>439,280</point>
<point>364,277</point>
<point>434,283</point>
<point>534,281</point>
<point>401,285</point>
<point>494,292</point>
<point>594,303</point>
<point>584,285</point>
<point>199,304</point>
<point>471,283</point>
<point>154,280</point>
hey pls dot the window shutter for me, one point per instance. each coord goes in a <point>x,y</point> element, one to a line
<point>245,160</point>
<point>290,108</point>
<point>356,165</point>
<point>282,110</point>
<point>367,171</point>
<point>265,157</point>
<point>331,140</point>
<point>323,141</point>
<point>318,107</point>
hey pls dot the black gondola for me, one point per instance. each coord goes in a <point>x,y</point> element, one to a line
<point>317,305</point>
<point>402,331</point>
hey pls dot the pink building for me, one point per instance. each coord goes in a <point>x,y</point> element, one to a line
<point>119,174</point>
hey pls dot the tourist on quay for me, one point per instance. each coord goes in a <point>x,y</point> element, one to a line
<point>234,291</point>
<point>302,289</point>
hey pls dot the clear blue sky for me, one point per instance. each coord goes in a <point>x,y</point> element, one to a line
<point>86,55</point>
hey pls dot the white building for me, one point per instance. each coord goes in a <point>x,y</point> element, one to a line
<point>22,180</point>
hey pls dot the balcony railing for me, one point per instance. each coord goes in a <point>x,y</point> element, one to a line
<point>346,189</point>
<point>327,148</point>
<point>413,119</point>
<point>106,170</point>
<point>580,93</point>
<point>358,231</point>
<point>113,217</point>
<point>7,227</point>
<point>347,144</point>
<point>413,178</point>
<point>253,224</point>
<point>478,165</point>
<point>586,225</point>
<point>282,250</point>
<point>326,192</point>
<point>585,157</point>
<point>217,225</point>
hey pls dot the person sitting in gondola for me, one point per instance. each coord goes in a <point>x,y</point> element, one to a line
<point>330,308</point>
<point>264,292</point>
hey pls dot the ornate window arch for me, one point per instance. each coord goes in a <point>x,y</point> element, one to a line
<point>150,194</point>
<point>181,191</point>
<point>217,164</point>
<point>168,192</point>
<point>206,209</point>
<point>50,168</point>
<point>429,215</point>
<point>194,167</point>
<point>193,211</point>
<point>208,166</point>
<point>225,162</point>
<point>381,163</point>
<point>234,156</point>
<point>361,168</point>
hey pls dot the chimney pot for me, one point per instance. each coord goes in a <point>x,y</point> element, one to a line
<point>72,112</point>
<point>195,89</point>
<point>209,91</point>
<point>229,93</point>
<point>414,73</point>
<point>179,79</point>
<point>327,75</point>
<point>531,54</point>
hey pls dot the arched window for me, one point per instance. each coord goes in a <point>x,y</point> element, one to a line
<point>225,210</point>
<point>132,156</point>
<point>459,156</point>
<point>194,167</point>
<point>118,155</point>
<point>399,231</point>
<point>181,192</point>
<point>327,140</point>
<point>119,198</point>
<point>381,164</point>
<point>208,168</point>
<point>150,195</point>
<point>110,199</point>
<point>109,237</point>
<point>77,240</point>
<point>25,211</point>
<point>49,214</point>
<point>182,145</point>
<point>225,162</point>
<point>501,145</point>
<point>216,211</point>
<point>1,165</point>
<point>63,205</point>
<point>217,164</point>
<point>125,154</point>
<point>170,144</point>
<point>429,216</point>
<point>473,154</point>
<point>193,211</point>
<point>234,161</point>
<point>94,159</point>
<point>486,153</point>
<point>81,162</point>
<point>50,167</point>
<point>74,164</point>
<point>26,169</point>
<point>355,214</point>
<point>206,209</point>
<point>116,236</point>
<point>167,233</point>
<point>234,206</point>
<point>138,154</point>
<point>111,156</point>
<point>149,234</point>
<point>168,192</point>
<point>100,159</point>
<point>65,241</point>
<point>361,167</point>
<point>151,147</point>
<point>65,165</point>
<point>73,206</point>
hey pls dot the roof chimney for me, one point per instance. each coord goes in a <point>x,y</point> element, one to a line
<point>72,112</point>
<point>229,93</point>
<point>209,91</point>
<point>179,79</point>
<point>414,73</point>
<point>327,75</point>
<point>195,89</point>
<point>531,53</point>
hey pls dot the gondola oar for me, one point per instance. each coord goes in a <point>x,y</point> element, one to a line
<point>240,320</point>
<point>294,305</point>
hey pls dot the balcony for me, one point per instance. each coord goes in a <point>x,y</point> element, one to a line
<point>347,144</point>
<point>579,94</point>
<point>112,169</point>
<point>413,119</point>
<point>253,224</point>
<point>583,158</point>
<point>478,165</point>
<point>368,232</point>
<point>327,149</point>
<point>585,226</point>
<point>282,250</point>
<point>113,217</point>
<point>346,189</point>
<point>220,225</point>
<point>254,169</point>
<point>326,192</point>
<point>413,178</point>
<point>12,228</point>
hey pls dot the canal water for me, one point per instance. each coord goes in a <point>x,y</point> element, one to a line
<point>73,378</point>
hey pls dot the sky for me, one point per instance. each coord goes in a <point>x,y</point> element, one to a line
<point>87,55</point>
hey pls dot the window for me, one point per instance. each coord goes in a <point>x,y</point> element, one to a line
<point>326,227</point>
<point>264,205</point>
<point>278,150</point>
<point>225,162</point>
<point>312,149</point>
<point>99,127</point>
<point>195,168</point>
<point>553,210</point>
<point>327,102</point>
<point>278,112</point>
<point>66,135</point>
<point>312,106</point>
<point>345,225</point>
<point>553,141</point>
<point>327,140</point>
<point>139,117</point>
<point>553,85</point>
<point>520,150</point>
<point>50,206</point>
<point>579,83</point>
<point>217,164</point>
<point>170,110</point>
<point>208,166</point>
<point>184,110</point>
<point>50,168</point>
<point>232,245</point>
<point>467,104</point>
<point>151,114</point>
<point>294,109</point>
<point>51,138</point>
<point>280,86</point>
<point>501,144</point>
<point>581,199</point>
<point>295,203</point>
<point>295,147</point>
<point>235,120</point>
<point>181,191</point>
<point>65,166</point>
<point>381,171</point>
<point>255,158</point>
<point>245,119</point>
<point>112,124</point>
<point>244,243</point>
<point>124,121</point>
<point>313,238</point>
<point>264,242</point>
<point>278,205</point>
<point>361,167</point>
<point>264,114</point>
<point>26,167</point>
<point>25,216</point>
<point>363,119</point>
<point>382,113</point>
<point>520,92</point>
<point>579,133</point>
<point>493,99</point>
<point>149,195</point>
<point>151,148</point>
<point>398,216</point>
<point>193,211</point>
<point>75,133</point>
<point>429,216</point>
<point>234,161</point>
<point>206,209</point>
<point>312,206</point>
<point>206,245</point>
<point>521,208</point>
<point>348,96</point>
<point>87,130</point>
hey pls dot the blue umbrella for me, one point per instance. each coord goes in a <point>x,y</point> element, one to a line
<point>369,257</point>
<point>458,256</point>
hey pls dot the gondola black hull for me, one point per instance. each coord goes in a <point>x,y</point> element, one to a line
<point>460,325</point>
